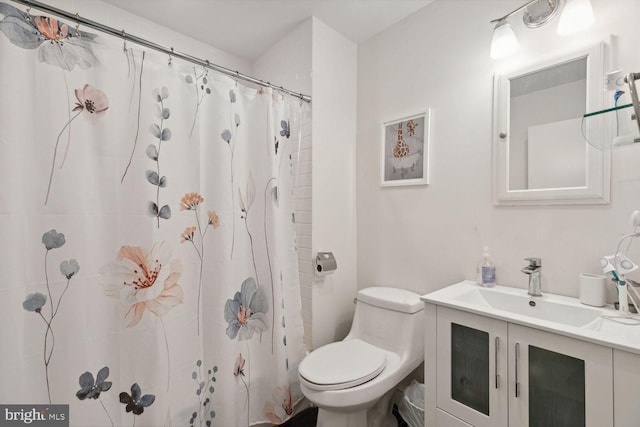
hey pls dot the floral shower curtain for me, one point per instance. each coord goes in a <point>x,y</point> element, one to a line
<point>148,267</point>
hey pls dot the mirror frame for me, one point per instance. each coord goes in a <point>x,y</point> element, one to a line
<point>597,188</point>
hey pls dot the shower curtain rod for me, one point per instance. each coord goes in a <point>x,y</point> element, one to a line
<point>169,51</point>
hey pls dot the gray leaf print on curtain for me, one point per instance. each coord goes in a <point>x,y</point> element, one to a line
<point>162,134</point>
<point>204,413</point>
<point>201,84</point>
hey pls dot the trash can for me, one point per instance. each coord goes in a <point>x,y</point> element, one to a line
<point>411,406</point>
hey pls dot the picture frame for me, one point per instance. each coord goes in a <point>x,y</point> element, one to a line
<point>405,150</point>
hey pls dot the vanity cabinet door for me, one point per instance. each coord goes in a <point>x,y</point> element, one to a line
<point>472,367</point>
<point>626,383</point>
<point>558,381</point>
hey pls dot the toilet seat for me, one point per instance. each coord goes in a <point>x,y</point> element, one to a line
<point>342,364</point>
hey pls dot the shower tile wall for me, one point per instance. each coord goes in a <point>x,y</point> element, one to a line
<point>303,224</point>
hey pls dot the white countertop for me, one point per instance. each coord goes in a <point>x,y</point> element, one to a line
<point>609,329</point>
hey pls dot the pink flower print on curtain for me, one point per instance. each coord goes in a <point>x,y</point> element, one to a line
<point>238,372</point>
<point>91,100</point>
<point>191,202</point>
<point>281,408</point>
<point>144,280</point>
<point>57,43</point>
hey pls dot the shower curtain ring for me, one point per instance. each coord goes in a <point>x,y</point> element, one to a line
<point>78,25</point>
<point>237,77</point>
<point>28,12</point>
<point>170,58</point>
<point>124,41</point>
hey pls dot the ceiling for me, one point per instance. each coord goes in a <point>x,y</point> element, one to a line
<point>246,28</point>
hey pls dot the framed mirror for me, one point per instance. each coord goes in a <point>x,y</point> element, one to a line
<point>539,152</point>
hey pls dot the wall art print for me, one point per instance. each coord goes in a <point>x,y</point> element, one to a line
<point>405,150</point>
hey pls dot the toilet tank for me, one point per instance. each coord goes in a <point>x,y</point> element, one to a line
<point>390,318</point>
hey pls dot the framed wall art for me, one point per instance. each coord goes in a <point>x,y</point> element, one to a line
<point>405,150</point>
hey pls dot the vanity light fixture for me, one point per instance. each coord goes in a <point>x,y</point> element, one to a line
<point>504,42</point>
<point>576,15</point>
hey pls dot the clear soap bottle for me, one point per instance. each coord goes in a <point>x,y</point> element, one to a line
<point>486,271</point>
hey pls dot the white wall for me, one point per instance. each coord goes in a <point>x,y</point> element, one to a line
<point>334,179</point>
<point>425,238</point>
<point>288,62</point>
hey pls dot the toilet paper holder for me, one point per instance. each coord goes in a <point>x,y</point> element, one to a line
<point>325,263</point>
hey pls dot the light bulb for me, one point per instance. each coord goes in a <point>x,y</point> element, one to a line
<point>576,16</point>
<point>504,42</point>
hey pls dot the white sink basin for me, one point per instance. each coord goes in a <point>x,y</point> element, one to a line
<point>554,313</point>
<point>548,307</point>
<point>544,308</point>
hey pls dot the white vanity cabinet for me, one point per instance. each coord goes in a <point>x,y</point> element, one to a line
<point>558,381</point>
<point>471,360</point>
<point>626,388</point>
<point>486,372</point>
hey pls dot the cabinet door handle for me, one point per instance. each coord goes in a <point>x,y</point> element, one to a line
<point>497,341</point>
<point>517,356</point>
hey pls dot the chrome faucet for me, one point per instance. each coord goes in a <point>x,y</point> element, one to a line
<point>533,270</point>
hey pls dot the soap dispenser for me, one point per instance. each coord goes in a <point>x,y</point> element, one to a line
<point>486,271</point>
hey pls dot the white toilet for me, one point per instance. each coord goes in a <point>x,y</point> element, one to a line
<point>385,344</point>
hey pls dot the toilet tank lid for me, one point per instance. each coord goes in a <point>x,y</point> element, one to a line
<point>396,299</point>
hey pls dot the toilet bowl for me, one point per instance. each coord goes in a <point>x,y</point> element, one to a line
<point>385,344</point>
